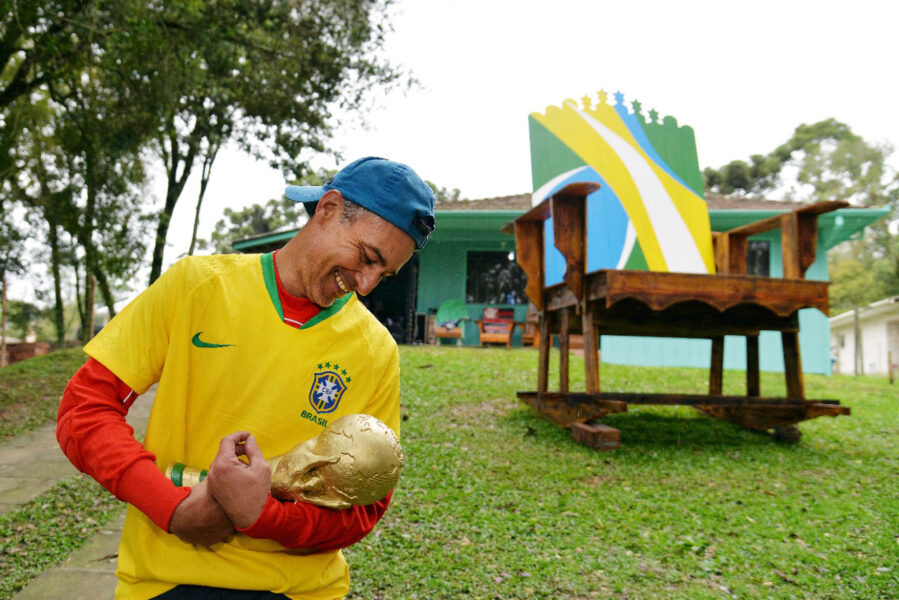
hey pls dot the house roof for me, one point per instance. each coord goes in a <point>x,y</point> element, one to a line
<point>480,219</point>
<point>881,308</point>
<point>523,202</point>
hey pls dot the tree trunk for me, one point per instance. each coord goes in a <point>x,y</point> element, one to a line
<point>174,161</point>
<point>204,181</point>
<point>58,313</point>
<point>90,293</point>
<point>100,276</point>
<point>4,359</point>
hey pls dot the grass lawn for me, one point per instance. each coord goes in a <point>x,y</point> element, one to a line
<point>497,502</point>
<point>30,390</point>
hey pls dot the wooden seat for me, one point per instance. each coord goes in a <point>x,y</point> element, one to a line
<point>496,326</point>
<point>450,321</point>
<point>665,304</point>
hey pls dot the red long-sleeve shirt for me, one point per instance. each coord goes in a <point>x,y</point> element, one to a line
<point>94,435</point>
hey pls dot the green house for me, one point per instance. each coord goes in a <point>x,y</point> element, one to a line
<point>467,258</point>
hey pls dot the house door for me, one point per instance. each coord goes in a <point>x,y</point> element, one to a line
<point>393,302</point>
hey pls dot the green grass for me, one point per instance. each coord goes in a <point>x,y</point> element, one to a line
<point>47,529</point>
<point>498,502</point>
<point>30,390</point>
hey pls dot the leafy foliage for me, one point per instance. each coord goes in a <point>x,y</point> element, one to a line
<point>255,219</point>
<point>827,161</point>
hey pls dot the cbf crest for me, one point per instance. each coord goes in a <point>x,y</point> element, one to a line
<point>327,388</point>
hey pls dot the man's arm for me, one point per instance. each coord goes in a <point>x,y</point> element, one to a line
<point>93,434</point>
<point>242,490</point>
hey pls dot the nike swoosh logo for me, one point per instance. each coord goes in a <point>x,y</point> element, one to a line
<point>201,344</point>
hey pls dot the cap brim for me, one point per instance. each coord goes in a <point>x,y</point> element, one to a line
<point>304,193</point>
<point>309,195</point>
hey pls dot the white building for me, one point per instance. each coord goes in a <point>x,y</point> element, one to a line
<point>878,344</point>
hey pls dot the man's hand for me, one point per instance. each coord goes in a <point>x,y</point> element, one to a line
<point>200,520</point>
<point>240,488</point>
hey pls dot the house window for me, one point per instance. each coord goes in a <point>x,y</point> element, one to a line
<point>842,341</point>
<point>494,278</point>
<point>758,258</point>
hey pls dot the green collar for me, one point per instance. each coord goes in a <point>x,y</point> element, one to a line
<point>271,285</point>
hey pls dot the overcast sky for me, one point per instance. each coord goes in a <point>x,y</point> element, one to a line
<point>742,74</point>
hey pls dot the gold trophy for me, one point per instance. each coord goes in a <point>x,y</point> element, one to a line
<point>356,460</point>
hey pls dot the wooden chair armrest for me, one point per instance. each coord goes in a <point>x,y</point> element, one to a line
<point>799,239</point>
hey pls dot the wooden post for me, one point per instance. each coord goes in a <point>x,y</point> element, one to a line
<point>753,387</point>
<point>543,360</point>
<point>591,350</point>
<point>563,351</point>
<point>792,364</point>
<point>716,373</point>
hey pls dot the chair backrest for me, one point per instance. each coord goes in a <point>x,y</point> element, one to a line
<point>496,319</point>
<point>650,212</point>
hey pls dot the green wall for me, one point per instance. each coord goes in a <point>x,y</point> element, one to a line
<point>442,273</point>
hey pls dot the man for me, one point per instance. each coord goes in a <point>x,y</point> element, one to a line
<point>276,345</point>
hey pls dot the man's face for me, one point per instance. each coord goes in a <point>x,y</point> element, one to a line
<point>353,257</point>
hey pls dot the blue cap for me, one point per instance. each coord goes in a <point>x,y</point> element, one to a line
<point>389,189</point>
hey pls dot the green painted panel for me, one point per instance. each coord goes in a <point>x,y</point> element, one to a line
<point>677,147</point>
<point>549,156</point>
<point>636,261</point>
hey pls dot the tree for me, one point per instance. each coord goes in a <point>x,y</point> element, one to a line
<point>442,194</point>
<point>11,251</point>
<point>100,139</point>
<point>256,219</point>
<point>266,76</point>
<point>829,162</point>
<point>762,174</point>
<point>39,41</point>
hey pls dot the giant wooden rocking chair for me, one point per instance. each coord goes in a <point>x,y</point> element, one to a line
<point>665,304</point>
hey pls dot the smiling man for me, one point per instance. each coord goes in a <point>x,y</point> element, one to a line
<point>276,346</point>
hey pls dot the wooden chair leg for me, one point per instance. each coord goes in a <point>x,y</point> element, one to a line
<point>591,351</point>
<point>716,373</point>
<point>753,385</point>
<point>543,360</point>
<point>563,351</point>
<point>792,364</point>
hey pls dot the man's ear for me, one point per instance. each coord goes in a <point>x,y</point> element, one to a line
<point>329,205</point>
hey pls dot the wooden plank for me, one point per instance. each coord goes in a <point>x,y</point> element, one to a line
<point>661,290</point>
<point>529,253</point>
<point>596,435</point>
<point>789,246</point>
<point>716,372</point>
<point>625,398</point>
<point>693,320</point>
<point>591,351</point>
<point>570,237</point>
<point>763,418</point>
<point>792,364</point>
<point>807,226</point>
<point>543,357</point>
<point>774,222</point>
<point>565,413</point>
<point>753,382</point>
<point>563,351</point>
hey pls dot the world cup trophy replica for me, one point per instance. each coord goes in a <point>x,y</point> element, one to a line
<point>356,460</point>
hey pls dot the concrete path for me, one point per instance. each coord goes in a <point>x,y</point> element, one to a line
<point>30,465</point>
